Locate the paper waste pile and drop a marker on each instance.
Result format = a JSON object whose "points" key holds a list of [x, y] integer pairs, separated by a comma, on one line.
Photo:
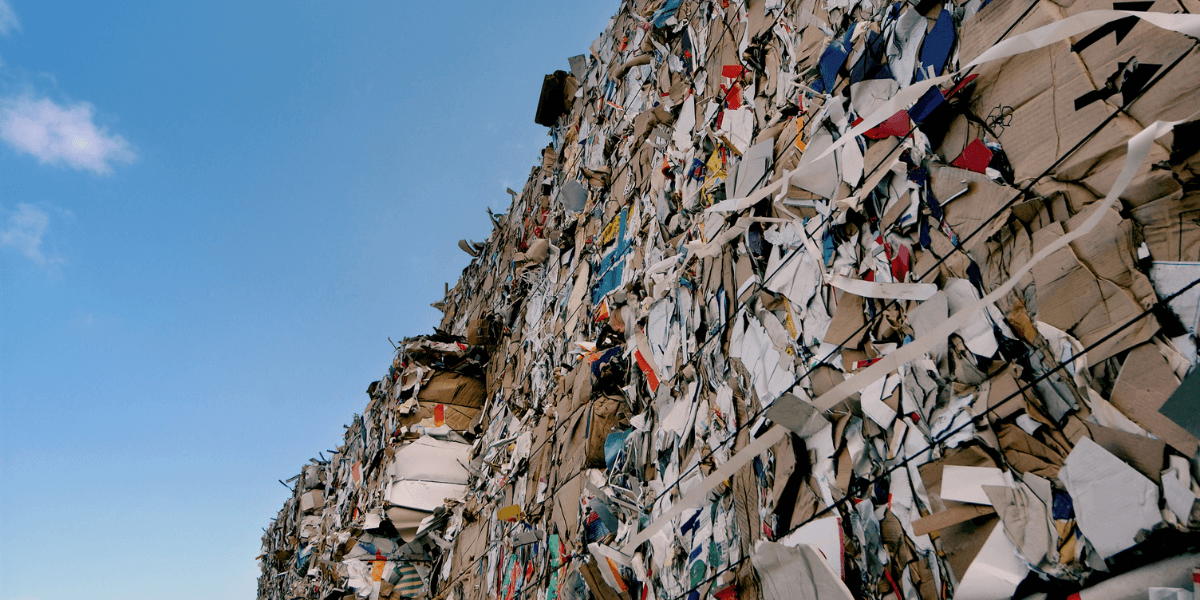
{"points": [[807, 299]]}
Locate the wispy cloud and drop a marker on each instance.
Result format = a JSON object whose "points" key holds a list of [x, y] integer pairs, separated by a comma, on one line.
{"points": [[61, 134], [25, 231], [8, 19]]}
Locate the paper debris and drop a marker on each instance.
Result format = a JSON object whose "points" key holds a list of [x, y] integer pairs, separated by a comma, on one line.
{"points": [[803, 298]]}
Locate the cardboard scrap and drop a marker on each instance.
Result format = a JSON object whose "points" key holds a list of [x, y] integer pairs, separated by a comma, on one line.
{"points": [[1113, 502], [796, 572]]}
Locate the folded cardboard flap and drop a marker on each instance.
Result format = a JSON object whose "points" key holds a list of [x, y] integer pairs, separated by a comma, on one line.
{"points": [[1071, 298], [1168, 227], [460, 396], [604, 414], [311, 500], [591, 572], [469, 546], [565, 515], [1028, 454], [961, 540], [453, 389], [456, 417], [958, 513], [479, 332], [1143, 386], [968, 211], [1147, 455], [573, 456], [848, 327]]}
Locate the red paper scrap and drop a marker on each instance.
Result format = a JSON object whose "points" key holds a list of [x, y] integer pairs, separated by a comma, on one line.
{"points": [[732, 71], [900, 264], [975, 157], [734, 98], [897, 125], [651, 376], [962, 84]]}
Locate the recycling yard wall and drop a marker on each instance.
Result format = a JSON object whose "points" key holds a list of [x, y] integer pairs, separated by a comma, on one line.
{"points": [[807, 298]]}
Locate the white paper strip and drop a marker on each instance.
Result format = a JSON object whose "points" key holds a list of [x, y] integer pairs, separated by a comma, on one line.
{"points": [[875, 289]]}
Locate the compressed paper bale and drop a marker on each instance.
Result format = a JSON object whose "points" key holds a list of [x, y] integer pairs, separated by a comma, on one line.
{"points": [[543, 428]]}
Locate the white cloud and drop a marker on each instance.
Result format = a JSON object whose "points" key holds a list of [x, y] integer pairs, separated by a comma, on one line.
{"points": [[61, 135], [24, 232], [8, 19]]}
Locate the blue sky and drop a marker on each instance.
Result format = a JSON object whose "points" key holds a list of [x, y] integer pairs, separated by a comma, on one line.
{"points": [[212, 217]]}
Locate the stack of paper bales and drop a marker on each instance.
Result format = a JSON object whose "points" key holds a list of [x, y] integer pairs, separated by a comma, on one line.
{"points": [[806, 299]]}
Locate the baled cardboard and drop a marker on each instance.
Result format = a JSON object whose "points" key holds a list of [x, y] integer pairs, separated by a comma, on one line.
{"points": [[462, 397]]}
